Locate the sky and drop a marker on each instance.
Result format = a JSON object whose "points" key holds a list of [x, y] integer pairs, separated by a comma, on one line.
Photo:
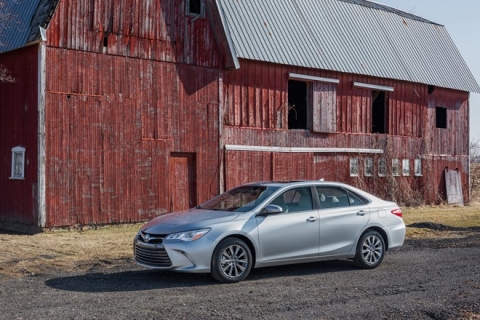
{"points": [[461, 18]]}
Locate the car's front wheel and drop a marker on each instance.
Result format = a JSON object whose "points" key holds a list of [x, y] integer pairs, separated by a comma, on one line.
{"points": [[370, 250], [231, 260]]}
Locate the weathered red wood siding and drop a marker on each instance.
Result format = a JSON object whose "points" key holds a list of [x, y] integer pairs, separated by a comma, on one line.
{"points": [[116, 118], [256, 114], [256, 96], [109, 151], [147, 29], [454, 139], [18, 127]]}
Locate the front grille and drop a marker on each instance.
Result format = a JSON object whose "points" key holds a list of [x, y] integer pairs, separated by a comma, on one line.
{"points": [[151, 238], [150, 254]]}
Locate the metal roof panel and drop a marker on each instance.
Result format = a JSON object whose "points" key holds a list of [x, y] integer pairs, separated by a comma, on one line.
{"points": [[26, 18], [352, 36]]}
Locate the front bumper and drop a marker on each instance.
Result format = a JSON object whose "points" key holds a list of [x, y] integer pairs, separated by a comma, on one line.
{"points": [[175, 255]]}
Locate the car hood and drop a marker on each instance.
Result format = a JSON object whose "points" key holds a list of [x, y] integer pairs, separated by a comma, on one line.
{"points": [[186, 220]]}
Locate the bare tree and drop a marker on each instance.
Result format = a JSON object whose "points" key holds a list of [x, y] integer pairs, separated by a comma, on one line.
{"points": [[475, 167], [7, 20], [5, 76]]}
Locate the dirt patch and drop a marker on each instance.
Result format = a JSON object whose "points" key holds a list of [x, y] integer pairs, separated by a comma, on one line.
{"points": [[441, 227]]}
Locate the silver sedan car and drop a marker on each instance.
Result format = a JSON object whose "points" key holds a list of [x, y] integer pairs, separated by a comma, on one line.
{"points": [[272, 223]]}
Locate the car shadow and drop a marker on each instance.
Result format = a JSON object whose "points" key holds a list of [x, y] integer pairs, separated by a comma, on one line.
{"points": [[142, 280]]}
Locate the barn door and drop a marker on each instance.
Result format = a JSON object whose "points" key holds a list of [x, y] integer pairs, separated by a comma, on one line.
{"points": [[454, 187], [183, 181]]}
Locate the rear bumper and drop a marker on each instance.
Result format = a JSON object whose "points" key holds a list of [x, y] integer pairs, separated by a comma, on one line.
{"points": [[397, 236]]}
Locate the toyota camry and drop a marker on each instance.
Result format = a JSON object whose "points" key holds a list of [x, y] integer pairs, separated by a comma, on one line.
{"points": [[272, 223]]}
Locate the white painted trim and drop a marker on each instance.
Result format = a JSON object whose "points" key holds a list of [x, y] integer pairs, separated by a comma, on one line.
{"points": [[221, 138], [299, 150], [298, 76], [15, 151], [417, 168], [354, 167], [372, 86], [41, 179]]}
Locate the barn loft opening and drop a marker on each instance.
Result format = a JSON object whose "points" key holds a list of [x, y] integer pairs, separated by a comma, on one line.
{"points": [[297, 105], [194, 7], [379, 112], [441, 117]]}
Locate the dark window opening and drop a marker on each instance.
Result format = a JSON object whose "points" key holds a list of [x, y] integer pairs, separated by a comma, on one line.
{"points": [[105, 44], [297, 105], [379, 112], [195, 7], [431, 89], [441, 117]]}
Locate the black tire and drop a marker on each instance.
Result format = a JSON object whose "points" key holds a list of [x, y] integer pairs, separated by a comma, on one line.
{"points": [[370, 250], [231, 261]]}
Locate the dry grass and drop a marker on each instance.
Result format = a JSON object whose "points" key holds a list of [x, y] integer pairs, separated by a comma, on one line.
{"points": [[67, 251], [459, 217], [456, 217]]}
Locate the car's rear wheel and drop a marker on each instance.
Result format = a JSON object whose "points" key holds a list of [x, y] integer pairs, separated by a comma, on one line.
{"points": [[231, 260], [370, 250]]}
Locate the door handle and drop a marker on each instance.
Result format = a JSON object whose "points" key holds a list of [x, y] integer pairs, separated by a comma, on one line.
{"points": [[312, 219], [361, 213]]}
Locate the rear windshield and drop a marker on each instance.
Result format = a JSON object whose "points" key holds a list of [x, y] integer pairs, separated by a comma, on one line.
{"points": [[240, 199]]}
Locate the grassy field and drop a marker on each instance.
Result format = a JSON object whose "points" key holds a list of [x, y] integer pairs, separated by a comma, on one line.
{"points": [[66, 251], [455, 217]]}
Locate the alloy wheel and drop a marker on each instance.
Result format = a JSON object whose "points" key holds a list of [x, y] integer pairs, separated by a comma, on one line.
{"points": [[372, 249], [234, 261]]}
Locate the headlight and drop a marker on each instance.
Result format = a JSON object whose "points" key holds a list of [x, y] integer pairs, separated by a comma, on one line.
{"points": [[188, 235]]}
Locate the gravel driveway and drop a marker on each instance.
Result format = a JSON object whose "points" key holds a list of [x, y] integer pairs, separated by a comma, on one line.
{"points": [[426, 279]]}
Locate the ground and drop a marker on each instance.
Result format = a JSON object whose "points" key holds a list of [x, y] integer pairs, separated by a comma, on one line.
{"points": [[90, 274], [65, 250]]}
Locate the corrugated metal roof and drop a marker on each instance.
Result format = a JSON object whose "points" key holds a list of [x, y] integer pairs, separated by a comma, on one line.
{"points": [[25, 19], [352, 36]]}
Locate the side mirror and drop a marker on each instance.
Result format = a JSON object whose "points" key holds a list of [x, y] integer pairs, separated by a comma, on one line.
{"points": [[271, 209]]}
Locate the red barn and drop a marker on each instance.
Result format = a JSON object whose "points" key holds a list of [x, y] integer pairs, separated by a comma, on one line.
{"points": [[123, 110]]}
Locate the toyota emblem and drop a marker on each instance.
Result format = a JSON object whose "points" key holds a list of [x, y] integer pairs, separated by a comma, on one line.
{"points": [[146, 237]]}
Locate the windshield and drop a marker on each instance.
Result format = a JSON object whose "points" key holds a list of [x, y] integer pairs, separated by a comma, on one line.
{"points": [[241, 199]]}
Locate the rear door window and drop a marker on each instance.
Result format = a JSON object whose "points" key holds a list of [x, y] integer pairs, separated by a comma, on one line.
{"points": [[334, 197]]}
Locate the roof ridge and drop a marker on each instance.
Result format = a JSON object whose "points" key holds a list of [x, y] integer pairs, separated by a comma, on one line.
{"points": [[380, 6]]}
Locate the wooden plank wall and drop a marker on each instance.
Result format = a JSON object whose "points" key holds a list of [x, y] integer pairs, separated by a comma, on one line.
{"points": [[18, 127], [111, 134], [129, 83], [265, 85], [455, 138], [255, 114], [249, 166], [146, 29]]}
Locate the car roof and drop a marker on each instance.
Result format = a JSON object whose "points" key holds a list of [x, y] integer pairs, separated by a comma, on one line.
{"points": [[296, 183], [282, 184]]}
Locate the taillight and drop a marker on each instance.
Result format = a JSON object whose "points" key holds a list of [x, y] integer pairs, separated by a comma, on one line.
{"points": [[397, 212]]}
